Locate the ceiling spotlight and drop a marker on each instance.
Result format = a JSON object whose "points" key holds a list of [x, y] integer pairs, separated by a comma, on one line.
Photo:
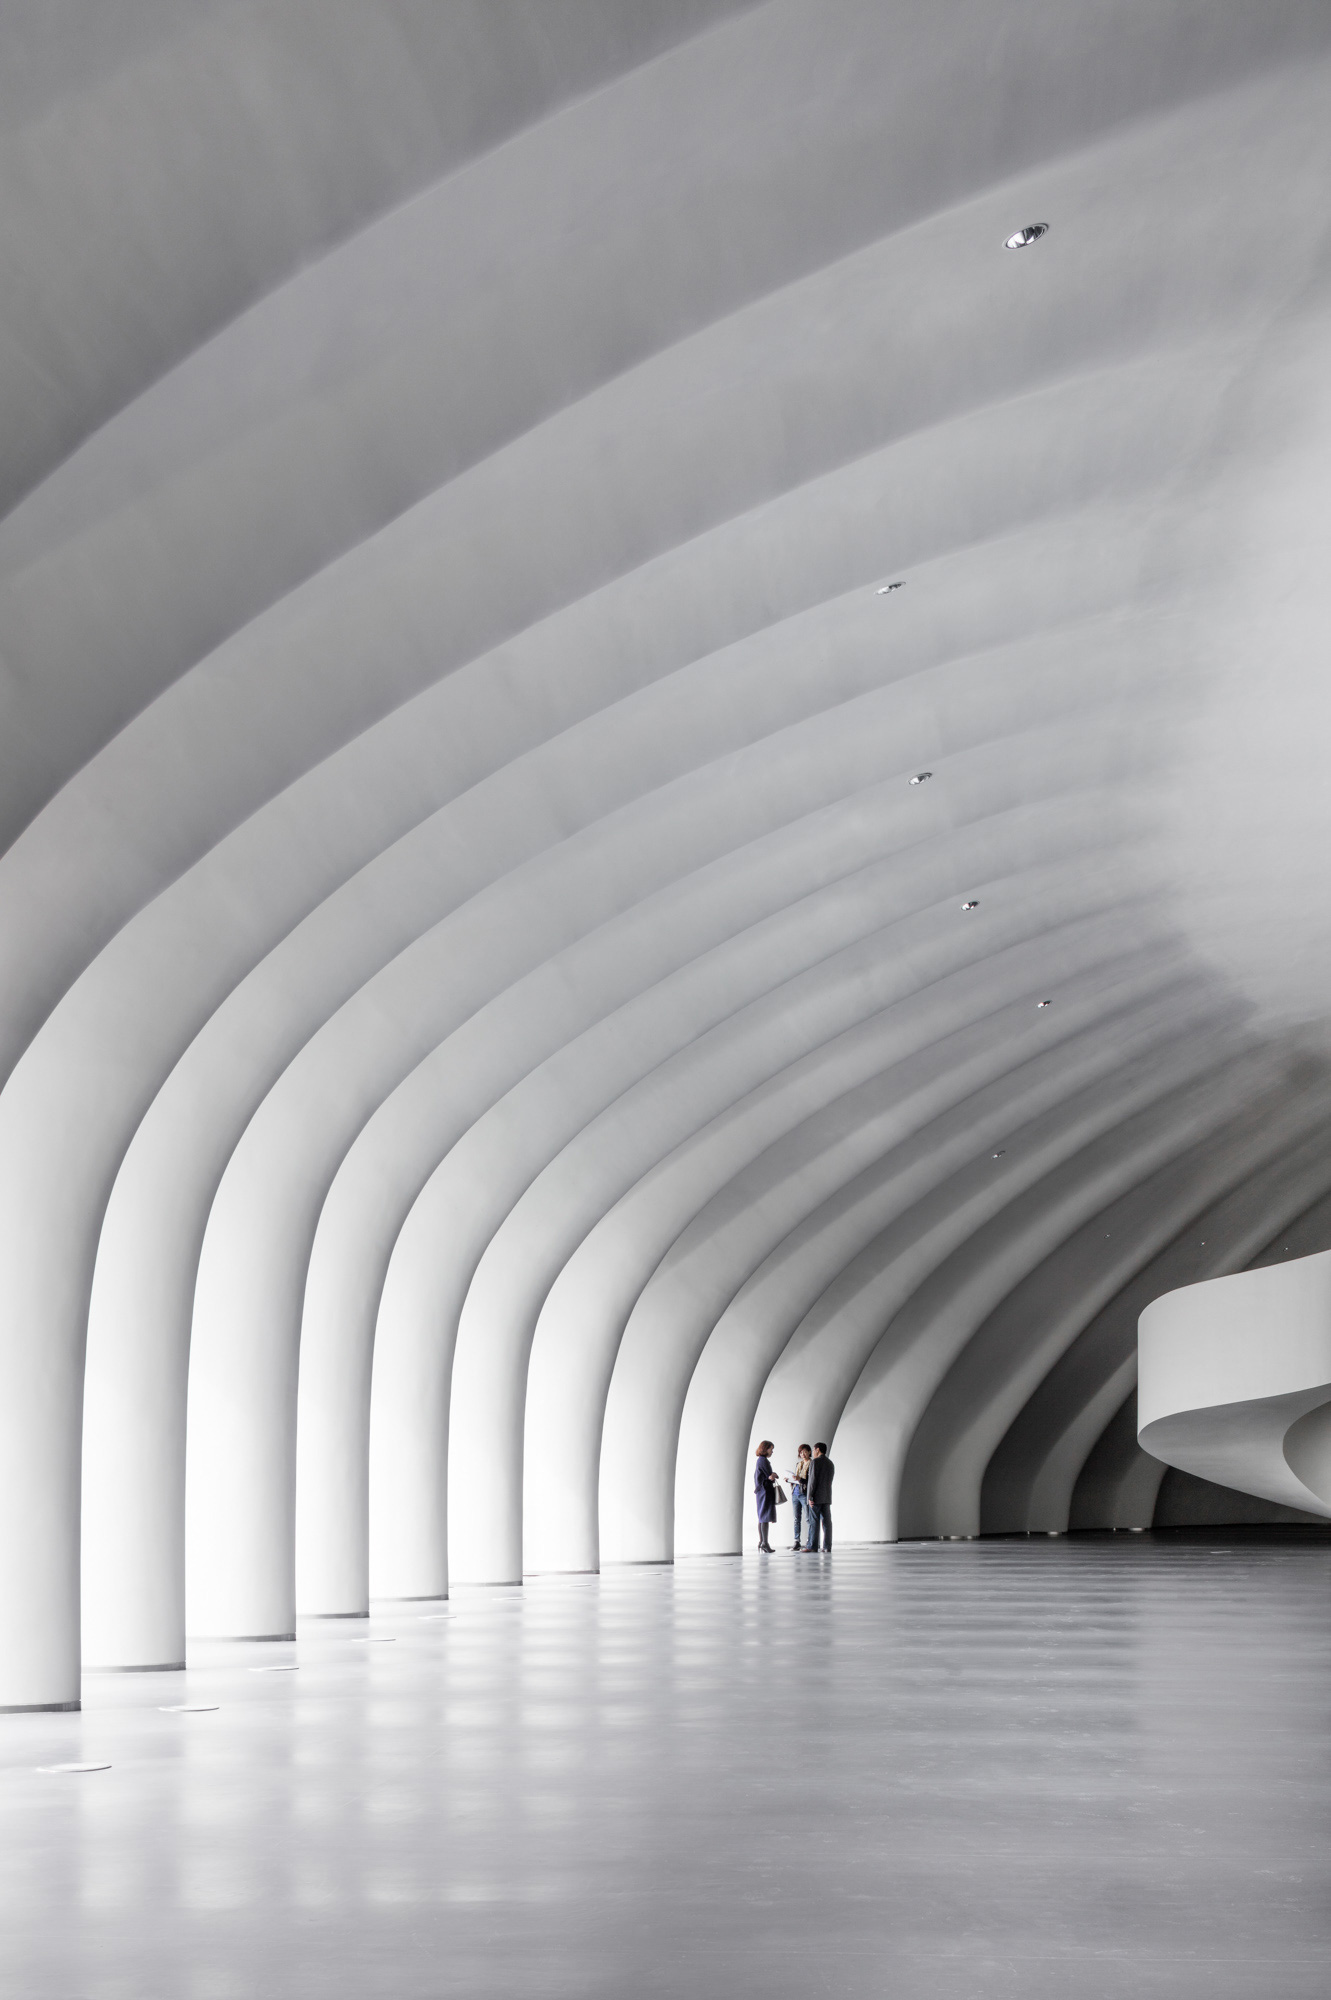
{"points": [[1024, 237], [999, 1154], [921, 777], [883, 588], [974, 905], [1043, 1003]]}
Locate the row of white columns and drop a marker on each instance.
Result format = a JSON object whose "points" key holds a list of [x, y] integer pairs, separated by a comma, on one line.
{"points": [[473, 981]]}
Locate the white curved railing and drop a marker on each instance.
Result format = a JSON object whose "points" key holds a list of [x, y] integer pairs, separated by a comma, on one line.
{"points": [[1235, 1381]]}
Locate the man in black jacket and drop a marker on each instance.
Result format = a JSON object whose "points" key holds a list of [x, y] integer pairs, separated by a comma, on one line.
{"points": [[818, 1501]]}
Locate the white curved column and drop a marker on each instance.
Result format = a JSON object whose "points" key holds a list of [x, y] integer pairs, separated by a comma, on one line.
{"points": [[692, 1345], [619, 862], [407, 1496], [851, 1272], [767, 1348], [439, 1104], [894, 1068], [1119, 1484], [905, 1371], [1234, 1381], [930, 1290], [508, 1325], [1037, 1322], [1030, 1479], [803, 1038], [487, 1176]]}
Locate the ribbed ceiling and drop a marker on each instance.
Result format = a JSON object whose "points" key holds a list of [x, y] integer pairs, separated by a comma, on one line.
{"points": [[489, 1018]]}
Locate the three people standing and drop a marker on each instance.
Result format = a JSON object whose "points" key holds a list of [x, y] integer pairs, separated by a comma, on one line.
{"points": [[810, 1489]]}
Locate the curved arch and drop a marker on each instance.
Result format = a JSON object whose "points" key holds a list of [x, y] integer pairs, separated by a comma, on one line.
{"points": [[1030, 1478], [1100, 1141], [1038, 1321]]}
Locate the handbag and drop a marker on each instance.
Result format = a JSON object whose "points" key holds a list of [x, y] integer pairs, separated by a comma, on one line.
{"points": [[781, 1494]]}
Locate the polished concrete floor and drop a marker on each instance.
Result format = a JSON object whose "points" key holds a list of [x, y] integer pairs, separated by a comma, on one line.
{"points": [[1065, 1769]]}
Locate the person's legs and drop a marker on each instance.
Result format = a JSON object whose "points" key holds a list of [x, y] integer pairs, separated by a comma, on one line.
{"points": [[763, 1542], [816, 1512], [826, 1511], [797, 1509]]}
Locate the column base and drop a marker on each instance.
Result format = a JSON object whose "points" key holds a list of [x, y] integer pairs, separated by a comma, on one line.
{"points": [[240, 1638], [154, 1667], [38, 1707]]}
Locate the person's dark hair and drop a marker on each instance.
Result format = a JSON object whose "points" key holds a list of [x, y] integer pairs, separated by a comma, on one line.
{"points": [[764, 1449], [820, 1447], [804, 1447]]}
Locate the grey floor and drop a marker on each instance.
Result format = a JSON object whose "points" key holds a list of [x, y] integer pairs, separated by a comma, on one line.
{"points": [[1077, 1768]]}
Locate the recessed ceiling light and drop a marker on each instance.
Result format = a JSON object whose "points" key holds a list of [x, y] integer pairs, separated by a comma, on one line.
{"points": [[972, 905], [1043, 1003], [1025, 237], [921, 777], [999, 1154], [883, 588]]}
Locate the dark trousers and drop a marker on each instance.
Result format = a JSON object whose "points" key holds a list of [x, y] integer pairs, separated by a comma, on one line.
{"points": [[820, 1516]]}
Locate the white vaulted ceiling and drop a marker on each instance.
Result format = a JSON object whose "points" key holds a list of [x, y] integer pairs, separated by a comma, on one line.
{"points": [[488, 1017]]}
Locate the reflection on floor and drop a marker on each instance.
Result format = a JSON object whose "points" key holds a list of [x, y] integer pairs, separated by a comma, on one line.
{"points": [[1079, 1768]]}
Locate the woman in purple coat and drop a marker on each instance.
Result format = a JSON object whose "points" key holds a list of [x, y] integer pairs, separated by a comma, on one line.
{"points": [[764, 1492]]}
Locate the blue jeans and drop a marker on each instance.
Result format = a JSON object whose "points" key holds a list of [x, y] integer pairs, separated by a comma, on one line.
{"points": [[797, 1509], [820, 1516]]}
